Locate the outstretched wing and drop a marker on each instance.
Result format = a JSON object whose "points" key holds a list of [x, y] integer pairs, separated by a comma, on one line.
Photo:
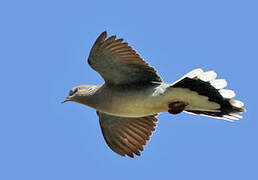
{"points": [[126, 136], [118, 63]]}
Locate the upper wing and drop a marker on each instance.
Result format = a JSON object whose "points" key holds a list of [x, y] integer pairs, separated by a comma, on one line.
{"points": [[126, 136], [118, 63]]}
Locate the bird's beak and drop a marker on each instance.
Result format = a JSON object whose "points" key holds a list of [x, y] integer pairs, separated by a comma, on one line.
{"points": [[66, 99]]}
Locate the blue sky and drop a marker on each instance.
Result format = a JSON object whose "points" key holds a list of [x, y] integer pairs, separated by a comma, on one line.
{"points": [[44, 46]]}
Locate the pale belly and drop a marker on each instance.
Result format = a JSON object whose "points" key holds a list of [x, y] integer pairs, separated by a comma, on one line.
{"points": [[148, 100], [136, 103], [138, 107]]}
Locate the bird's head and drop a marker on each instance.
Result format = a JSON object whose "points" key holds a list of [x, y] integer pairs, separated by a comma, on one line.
{"points": [[78, 93]]}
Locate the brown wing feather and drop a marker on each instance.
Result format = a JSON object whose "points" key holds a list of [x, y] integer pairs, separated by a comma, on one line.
{"points": [[126, 136], [118, 63]]}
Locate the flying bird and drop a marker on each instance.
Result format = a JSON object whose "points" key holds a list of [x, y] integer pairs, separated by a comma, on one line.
{"points": [[134, 94]]}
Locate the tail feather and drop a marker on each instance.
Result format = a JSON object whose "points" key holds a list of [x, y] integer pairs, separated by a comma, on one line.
{"points": [[206, 84]]}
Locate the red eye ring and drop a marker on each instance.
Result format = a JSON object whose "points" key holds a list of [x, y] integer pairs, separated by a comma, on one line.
{"points": [[75, 90]]}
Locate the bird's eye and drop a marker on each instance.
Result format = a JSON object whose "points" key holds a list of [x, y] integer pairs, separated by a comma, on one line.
{"points": [[72, 92]]}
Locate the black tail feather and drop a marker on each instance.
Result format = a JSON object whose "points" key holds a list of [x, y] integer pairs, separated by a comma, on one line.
{"points": [[204, 83]]}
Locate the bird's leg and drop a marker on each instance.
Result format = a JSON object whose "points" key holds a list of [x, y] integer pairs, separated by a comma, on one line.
{"points": [[176, 107]]}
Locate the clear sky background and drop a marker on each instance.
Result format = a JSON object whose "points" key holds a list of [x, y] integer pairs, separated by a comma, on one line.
{"points": [[43, 50]]}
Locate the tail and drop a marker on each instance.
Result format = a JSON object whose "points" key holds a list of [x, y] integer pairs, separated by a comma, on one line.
{"points": [[214, 101]]}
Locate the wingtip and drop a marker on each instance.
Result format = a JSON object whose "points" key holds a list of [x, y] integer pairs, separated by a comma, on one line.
{"points": [[104, 34], [101, 37], [98, 42]]}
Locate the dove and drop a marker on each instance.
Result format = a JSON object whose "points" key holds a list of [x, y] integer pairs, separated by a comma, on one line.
{"points": [[133, 94]]}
